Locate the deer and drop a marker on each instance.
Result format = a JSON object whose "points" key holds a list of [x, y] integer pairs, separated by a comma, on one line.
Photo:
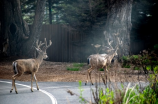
{"points": [[104, 48], [30, 66], [98, 61]]}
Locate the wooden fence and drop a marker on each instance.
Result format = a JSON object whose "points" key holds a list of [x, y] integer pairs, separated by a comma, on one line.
{"points": [[72, 46], [63, 48]]}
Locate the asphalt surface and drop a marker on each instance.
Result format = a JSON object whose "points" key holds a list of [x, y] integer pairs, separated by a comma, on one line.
{"points": [[49, 93]]}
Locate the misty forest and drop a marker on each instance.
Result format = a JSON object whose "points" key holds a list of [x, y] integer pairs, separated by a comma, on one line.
{"points": [[100, 41]]}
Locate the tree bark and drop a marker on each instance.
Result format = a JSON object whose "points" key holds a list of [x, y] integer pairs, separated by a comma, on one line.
{"points": [[14, 28], [50, 12], [35, 28], [119, 22]]}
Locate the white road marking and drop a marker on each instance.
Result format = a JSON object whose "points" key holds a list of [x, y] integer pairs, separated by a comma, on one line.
{"points": [[54, 101], [57, 87]]}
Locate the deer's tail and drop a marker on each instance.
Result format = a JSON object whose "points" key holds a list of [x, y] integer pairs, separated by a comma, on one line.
{"points": [[15, 67], [88, 60]]}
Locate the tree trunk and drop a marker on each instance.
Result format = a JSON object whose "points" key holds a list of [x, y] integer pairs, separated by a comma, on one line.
{"points": [[35, 28], [50, 12], [119, 23], [15, 29]]}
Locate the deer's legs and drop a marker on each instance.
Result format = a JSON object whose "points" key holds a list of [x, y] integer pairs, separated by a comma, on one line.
{"points": [[105, 71], [36, 82], [33, 75], [13, 82], [89, 74], [12, 85], [31, 82], [15, 87]]}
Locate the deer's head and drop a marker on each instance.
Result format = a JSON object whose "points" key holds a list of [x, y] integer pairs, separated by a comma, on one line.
{"points": [[42, 51]]}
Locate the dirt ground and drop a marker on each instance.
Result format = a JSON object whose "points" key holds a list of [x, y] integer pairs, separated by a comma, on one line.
{"points": [[57, 72]]}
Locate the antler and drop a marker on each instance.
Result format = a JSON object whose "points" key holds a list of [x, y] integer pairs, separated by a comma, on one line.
{"points": [[119, 41], [39, 45], [50, 43], [109, 43]]}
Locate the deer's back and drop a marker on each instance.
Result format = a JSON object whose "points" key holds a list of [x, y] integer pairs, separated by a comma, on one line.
{"points": [[98, 61], [27, 65]]}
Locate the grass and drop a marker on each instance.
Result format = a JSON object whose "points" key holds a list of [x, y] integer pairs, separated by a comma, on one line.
{"points": [[136, 68], [101, 69], [75, 67], [148, 67], [128, 94], [127, 66]]}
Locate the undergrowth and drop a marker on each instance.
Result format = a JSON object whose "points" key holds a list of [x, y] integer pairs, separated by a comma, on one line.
{"points": [[137, 94], [75, 67]]}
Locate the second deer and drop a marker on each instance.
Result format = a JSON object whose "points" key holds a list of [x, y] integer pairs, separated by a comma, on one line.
{"points": [[98, 61]]}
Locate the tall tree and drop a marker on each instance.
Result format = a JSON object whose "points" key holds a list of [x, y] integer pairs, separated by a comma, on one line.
{"points": [[14, 28], [119, 23], [50, 12]]}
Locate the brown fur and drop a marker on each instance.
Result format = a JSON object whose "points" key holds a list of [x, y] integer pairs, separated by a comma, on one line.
{"points": [[99, 61], [29, 66]]}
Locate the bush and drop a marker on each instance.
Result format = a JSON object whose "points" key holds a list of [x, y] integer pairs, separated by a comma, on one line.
{"points": [[156, 47], [126, 61], [82, 100], [76, 67], [101, 69], [132, 95], [150, 96], [73, 69], [127, 66], [136, 68], [106, 97]]}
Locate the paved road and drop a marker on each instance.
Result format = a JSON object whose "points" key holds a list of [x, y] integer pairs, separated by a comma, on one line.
{"points": [[49, 93]]}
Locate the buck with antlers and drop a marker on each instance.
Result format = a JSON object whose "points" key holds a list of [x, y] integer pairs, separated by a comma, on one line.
{"points": [[30, 66], [98, 61]]}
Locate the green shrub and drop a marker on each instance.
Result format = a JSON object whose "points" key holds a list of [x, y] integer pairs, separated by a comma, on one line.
{"points": [[106, 97], [73, 69], [101, 69], [82, 100], [126, 61], [127, 66], [150, 96], [145, 61], [76, 67], [156, 47], [135, 56], [125, 58], [133, 95], [156, 69], [148, 67], [136, 68]]}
